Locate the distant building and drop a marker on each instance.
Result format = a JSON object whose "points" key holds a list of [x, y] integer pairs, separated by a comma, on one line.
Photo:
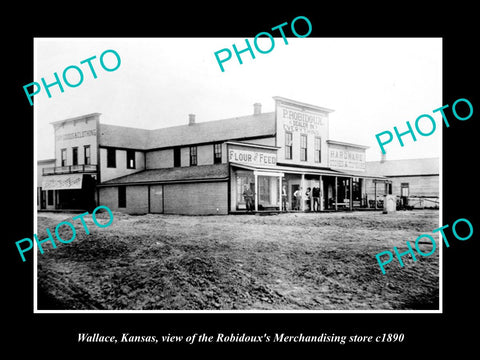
{"points": [[417, 179], [205, 167]]}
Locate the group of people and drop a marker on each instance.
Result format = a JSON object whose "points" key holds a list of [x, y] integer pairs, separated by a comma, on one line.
{"points": [[312, 199]]}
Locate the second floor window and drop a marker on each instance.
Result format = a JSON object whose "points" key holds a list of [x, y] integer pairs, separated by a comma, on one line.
{"points": [[217, 153], [303, 147], [86, 155], [130, 159], [318, 149], [193, 155], [111, 158], [176, 157], [75, 156], [63, 157], [288, 145]]}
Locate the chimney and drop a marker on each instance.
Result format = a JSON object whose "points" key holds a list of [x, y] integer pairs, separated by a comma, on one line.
{"points": [[383, 158], [191, 119], [257, 108]]}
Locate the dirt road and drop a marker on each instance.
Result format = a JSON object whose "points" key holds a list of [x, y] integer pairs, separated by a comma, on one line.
{"points": [[282, 262]]}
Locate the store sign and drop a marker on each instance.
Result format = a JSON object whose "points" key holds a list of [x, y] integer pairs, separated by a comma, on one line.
{"points": [[62, 182], [252, 157], [76, 135], [346, 159], [301, 121]]}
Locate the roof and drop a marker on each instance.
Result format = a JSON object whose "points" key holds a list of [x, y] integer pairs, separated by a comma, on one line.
{"points": [[405, 167], [123, 136], [76, 118], [46, 161], [252, 145], [250, 126], [341, 143], [177, 174]]}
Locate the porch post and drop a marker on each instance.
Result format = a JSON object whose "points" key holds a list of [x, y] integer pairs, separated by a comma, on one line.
{"points": [[363, 190], [336, 195], [375, 192], [302, 197], [256, 191], [351, 193], [320, 198], [280, 198]]}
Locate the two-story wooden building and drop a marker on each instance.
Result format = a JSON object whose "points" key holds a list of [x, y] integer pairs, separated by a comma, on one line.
{"points": [[205, 167]]}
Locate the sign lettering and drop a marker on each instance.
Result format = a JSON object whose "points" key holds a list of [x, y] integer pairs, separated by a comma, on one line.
{"points": [[252, 157], [76, 135], [301, 121], [347, 159]]}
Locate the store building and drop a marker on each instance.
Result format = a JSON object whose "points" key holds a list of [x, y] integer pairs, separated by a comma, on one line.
{"points": [[205, 167], [69, 180]]}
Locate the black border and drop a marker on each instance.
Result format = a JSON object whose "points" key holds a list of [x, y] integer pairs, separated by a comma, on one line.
{"points": [[427, 333]]}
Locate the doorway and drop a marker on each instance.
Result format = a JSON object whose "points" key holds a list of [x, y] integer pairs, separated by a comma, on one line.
{"points": [[296, 203]]}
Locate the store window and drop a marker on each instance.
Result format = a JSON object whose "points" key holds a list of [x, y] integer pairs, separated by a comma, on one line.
{"points": [[264, 189], [357, 189], [243, 179], [288, 145], [303, 147], [50, 197], [43, 203]]}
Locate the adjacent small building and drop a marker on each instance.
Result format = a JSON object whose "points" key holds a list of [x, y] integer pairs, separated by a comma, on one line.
{"points": [[417, 180], [202, 168]]}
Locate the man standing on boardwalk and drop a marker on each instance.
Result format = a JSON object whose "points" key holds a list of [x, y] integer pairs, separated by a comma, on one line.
{"points": [[316, 199], [284, 198], [248, 197]]}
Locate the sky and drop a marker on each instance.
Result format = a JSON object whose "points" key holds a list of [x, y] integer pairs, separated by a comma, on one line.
{"points": [[372, 84]]}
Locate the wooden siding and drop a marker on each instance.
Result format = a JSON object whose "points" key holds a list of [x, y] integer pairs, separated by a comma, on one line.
{"points": [[196, 199]]}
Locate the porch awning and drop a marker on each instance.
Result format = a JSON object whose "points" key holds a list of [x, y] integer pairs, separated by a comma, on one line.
{"points": [[285, 169], [307, 171], [260, 170], [62, 182]]}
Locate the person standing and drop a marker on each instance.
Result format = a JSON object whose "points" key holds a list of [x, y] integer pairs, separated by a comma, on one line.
{"points": [[298, 198], [308, 201], [316, 198], [284, 198], [248, 197]]}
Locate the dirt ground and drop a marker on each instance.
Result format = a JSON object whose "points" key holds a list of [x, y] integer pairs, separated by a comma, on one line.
{"points": [[282, 262]]}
